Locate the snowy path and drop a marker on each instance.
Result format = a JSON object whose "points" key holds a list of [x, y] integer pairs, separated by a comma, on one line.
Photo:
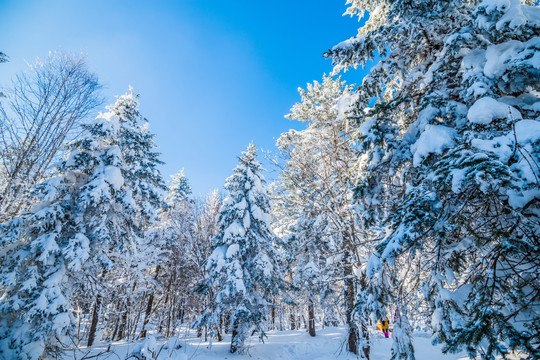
{"points": [[328, 344], [280, 345]]}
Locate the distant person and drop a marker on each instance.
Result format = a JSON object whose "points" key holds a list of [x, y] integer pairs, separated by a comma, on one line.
{"points": [[384, 326]]}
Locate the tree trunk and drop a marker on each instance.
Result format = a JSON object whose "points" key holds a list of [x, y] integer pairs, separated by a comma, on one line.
{"points": [[220, 328], [353, 334], [273, 312], [311, 317], [364, 323], [171, 314], [219, 336], [227, 322], [115, 331], [122, 325], [365, 335], [147, 315], [182, 312], [79, 322], [169, 299], [233, 338], [150, 304], [95, 318], [292, 319]]}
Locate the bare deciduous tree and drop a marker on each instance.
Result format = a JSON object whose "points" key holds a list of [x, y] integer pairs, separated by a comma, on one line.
{"points": [[42, 108]]}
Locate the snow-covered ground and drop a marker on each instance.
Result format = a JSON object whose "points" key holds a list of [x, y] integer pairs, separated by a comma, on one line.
{"points": [[280, 345]]}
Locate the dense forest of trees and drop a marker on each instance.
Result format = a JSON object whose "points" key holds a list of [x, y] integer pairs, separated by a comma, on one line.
{"points": [[414, 195]]}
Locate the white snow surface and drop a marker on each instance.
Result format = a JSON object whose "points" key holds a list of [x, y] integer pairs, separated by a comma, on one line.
{"points": [[344, 104], [526, 132], [234, 229], [500, 57], [458, 175], [282, 345], [232, 250], [434, 139], [487, 109], [113, 175], [514, 14]]}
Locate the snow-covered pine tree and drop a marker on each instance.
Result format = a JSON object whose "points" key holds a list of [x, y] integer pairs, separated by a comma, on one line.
{"points": [[172, 239], [163, 246], [179, 189], [319, 178], [312, 243], [145, 186], [87, 218], [244, 267], [449, 163], [141, 158]]}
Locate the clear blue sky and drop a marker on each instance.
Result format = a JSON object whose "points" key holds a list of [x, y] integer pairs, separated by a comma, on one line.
{"points": [[213, 75]]}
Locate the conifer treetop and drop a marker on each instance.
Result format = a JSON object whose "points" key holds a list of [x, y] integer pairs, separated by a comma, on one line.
{"points": [[179, 189]]}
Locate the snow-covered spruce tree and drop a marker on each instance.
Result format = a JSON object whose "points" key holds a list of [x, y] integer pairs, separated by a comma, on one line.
{"points": [[166, 245], [449, 163], [244, 268], [180, 188], [175, 271], [307, 246], [319, 176], [144, 184], [87, 218], [141, 158], [313, 277]]}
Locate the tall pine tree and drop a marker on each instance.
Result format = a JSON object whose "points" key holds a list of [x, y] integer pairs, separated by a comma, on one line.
{"points": [[319, 178], [88, 218], [244, 267], [449, 167]]}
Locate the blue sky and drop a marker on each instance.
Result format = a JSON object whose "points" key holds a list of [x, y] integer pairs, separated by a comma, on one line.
{"points": [[213, 75]]}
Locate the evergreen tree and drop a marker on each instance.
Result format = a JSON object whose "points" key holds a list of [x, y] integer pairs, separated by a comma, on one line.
{"points": [[244, 268], [171, 241], [144, 185], [88, 218], [449, 166], [318, 176], [179, 189]]}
